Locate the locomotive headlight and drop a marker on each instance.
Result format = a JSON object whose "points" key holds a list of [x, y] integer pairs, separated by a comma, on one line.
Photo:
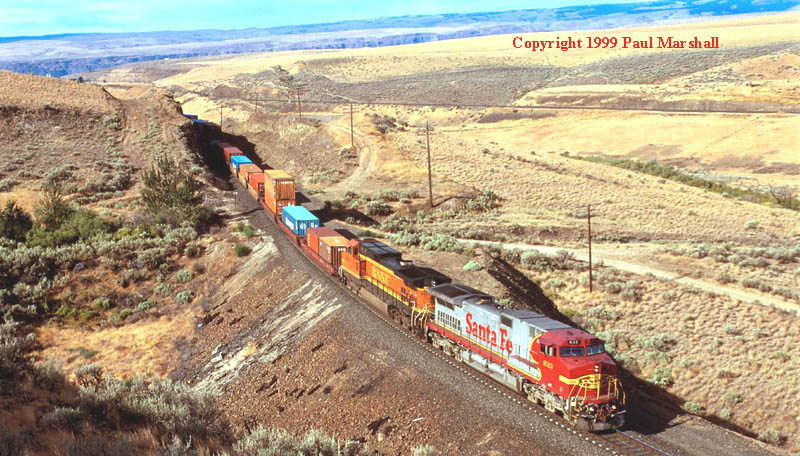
{"points": [[614, 407], [596, 368]]}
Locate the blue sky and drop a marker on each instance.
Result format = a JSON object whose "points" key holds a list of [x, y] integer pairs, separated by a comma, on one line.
{"points": [[47, 17]]}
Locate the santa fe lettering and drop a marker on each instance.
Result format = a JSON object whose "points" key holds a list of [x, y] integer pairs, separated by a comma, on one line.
{"points": [[487, 334]]}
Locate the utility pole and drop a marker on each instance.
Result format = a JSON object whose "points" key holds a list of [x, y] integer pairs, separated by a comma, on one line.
{"points": [[256, 102], [220, 117], [352, 140], [589, 220], [430, 179], [299, 111]]}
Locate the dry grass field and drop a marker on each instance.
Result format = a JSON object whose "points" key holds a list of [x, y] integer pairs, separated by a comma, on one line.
{"points": [[736, 361]]}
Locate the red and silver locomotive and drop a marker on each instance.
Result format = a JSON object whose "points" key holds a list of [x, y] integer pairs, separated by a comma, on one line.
{"points": [[563, 368]]}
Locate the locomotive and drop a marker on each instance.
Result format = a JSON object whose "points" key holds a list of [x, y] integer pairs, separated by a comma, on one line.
{"points": [[551, 363]]}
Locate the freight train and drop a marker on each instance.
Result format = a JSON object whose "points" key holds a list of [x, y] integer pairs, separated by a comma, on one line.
{"points": [[551, 363]]}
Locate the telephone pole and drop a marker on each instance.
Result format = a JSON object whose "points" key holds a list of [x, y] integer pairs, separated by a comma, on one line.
{"points": [[430, 179], [589, 220], [220, 117]]}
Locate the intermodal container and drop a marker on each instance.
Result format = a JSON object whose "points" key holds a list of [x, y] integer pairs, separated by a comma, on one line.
{"points": [[245, 170], [190, 116], [256, 183], [281, 184], [313, 235], [276, 206], [237, 161], [331, 248], [298, 219], [230, 151]]}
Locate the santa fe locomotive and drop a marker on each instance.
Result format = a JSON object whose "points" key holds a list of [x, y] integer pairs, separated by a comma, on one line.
{"points": [[563, 368]]}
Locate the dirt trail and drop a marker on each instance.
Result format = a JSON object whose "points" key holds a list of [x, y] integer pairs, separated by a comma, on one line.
{"points": [[367, 160], [634, 263]]}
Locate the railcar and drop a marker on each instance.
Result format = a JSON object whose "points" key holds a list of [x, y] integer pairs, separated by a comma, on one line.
{"points": [[564, 368], [397, 285]]}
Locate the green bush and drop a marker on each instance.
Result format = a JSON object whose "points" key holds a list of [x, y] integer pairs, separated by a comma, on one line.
{"points": [[770, 436], [183, 297], [661, 377], [77, 225], [278, 442], [472, 266], [163, 290], [242, 250], [67, 417], [14, 222], [14, 362], [171, 194], [184, 276], [102, 303], [695, 408], [733, 398], [248, 231]]}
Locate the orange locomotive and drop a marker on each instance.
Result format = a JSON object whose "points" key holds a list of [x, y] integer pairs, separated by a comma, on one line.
{"points": [[397, 285]]}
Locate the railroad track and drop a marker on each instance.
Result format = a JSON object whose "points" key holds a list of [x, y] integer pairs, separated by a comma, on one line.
{"points": [[622, 442], [616, 443]]}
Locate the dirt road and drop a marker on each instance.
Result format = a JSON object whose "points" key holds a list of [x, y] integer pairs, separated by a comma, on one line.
{"points": [[635, 263]]}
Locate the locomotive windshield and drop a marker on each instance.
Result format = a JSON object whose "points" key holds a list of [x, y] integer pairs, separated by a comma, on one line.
{"points": [[595, 349], [570, 351]]}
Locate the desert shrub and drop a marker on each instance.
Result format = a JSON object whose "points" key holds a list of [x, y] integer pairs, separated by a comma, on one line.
{"points": [[7, 184], [13, 350], [112, 122], [627, 361], [733, 397], [102, 303], [91, 446], [426, 450], [248, 231], [695, 408], [770, 436], [725, 413], [632, 290], [659, 342], [661, 377], [378, 207], [751, 224], [395, 223], [183, 297], [600, 312], [163, 290], [62, 416], [167, 408], [731, 329], [14, 222], [184, 275], [657, 357], [194, 249], [485, 201], [687, 363], [472, 265], [242, 250], [554, 283], [277, 442], [48, 375], [537, 261]]}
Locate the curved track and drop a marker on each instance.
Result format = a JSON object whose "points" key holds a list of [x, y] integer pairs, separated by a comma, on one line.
{"points": [[614, 443]]}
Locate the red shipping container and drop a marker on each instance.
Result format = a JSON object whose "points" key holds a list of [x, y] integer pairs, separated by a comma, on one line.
{"points": [[230, 151], [245, 170], [314, 234], [256, 183], [331, 248]]}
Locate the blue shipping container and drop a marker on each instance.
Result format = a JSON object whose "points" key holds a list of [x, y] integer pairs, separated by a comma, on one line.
{"points": [[299, 219], [237, 160]]}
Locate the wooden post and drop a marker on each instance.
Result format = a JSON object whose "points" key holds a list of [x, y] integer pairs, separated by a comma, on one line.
{"points": [[589, 220], [352, 140], [220, 117], [299, 111], [430, 179]]}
